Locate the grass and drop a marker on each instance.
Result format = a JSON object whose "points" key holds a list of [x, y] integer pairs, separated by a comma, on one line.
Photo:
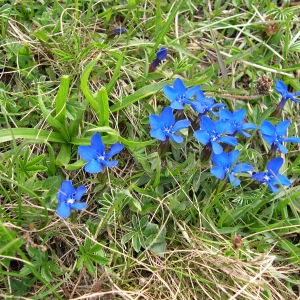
{"points": [[158, 225]]}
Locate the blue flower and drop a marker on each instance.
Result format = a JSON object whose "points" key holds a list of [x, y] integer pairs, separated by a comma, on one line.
{"points": [[164, 127], [121, 30], [226, 165], [179, 94], [281, 88], [274, 135], [272, 177], [237, 121], [202, 104], [68, 198], [161, 54], [95, 155], [212, 133]]}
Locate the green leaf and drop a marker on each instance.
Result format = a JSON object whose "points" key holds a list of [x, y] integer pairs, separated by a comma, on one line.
{"points": [[103, 114], [61, 99]]}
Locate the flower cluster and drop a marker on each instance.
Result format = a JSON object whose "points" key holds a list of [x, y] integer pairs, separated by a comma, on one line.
{"points": [[96, 160], [222, 129]]}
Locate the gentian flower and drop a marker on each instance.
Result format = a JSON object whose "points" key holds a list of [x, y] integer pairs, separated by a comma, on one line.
{"points": [[164, 126], [68, 198], [236, 120], [212, 133], [161, 55], [179, 94], [95, 155], [282, 89], [226, 165], [121, 30], [274, 135], [202, 104], [272, 177]]}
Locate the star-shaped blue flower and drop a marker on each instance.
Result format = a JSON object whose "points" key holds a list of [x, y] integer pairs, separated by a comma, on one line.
{"points": [[164, 126], [203, 105], [275, 135], [179, 94], [95, 155], [226, 164], [272, 177], [237, 120], [282, 89], [212, 133], [68, 198]]}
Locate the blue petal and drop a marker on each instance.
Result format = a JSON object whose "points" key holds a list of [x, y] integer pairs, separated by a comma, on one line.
{"points": [[280, 87], [270, 139], [282, 127], [177, 105], [161, 54], [192, 91], [67, 187], [155, 122], [87, 153], [167, 116], [273, 188], [274, 165], [239, 115], [207, 124], [79, 192], [230, 140], [281, 148], [218, 172], [79, 205], [110, 163], [170, 92], [93, 166], [242, 167], [217, 149], [224, 126], [260, 176], [248, 126], [176, 138], [158, 134], [97, 144], [115, 149], [225, 114], [292, 139], [233, 180], [221, 160], [181, 124], [233, 157], [202, 136], [283, 180], [268, 128], [63, 210], [179, 86]]}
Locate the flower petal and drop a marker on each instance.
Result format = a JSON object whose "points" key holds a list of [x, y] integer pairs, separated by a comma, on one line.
{"points": [[260, 176], [230, 140], [115, 149], [79, 192], [217, 149], [158, 134], [221, 160], [192, 91], [181, 124], [93, 166], [292, 139], [233, 180], [280, 87], [63, 210], [79, 205], [110, 163], [176, 138], [179, 86], [268, 128], [170, 92], [155, 121], [207, 124], [67, 187], [202, 136], [97, 144], [274, 165], [282, 127], [218, 172], [242, 167], [87, 153], [282, 180], [167, 116]]}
